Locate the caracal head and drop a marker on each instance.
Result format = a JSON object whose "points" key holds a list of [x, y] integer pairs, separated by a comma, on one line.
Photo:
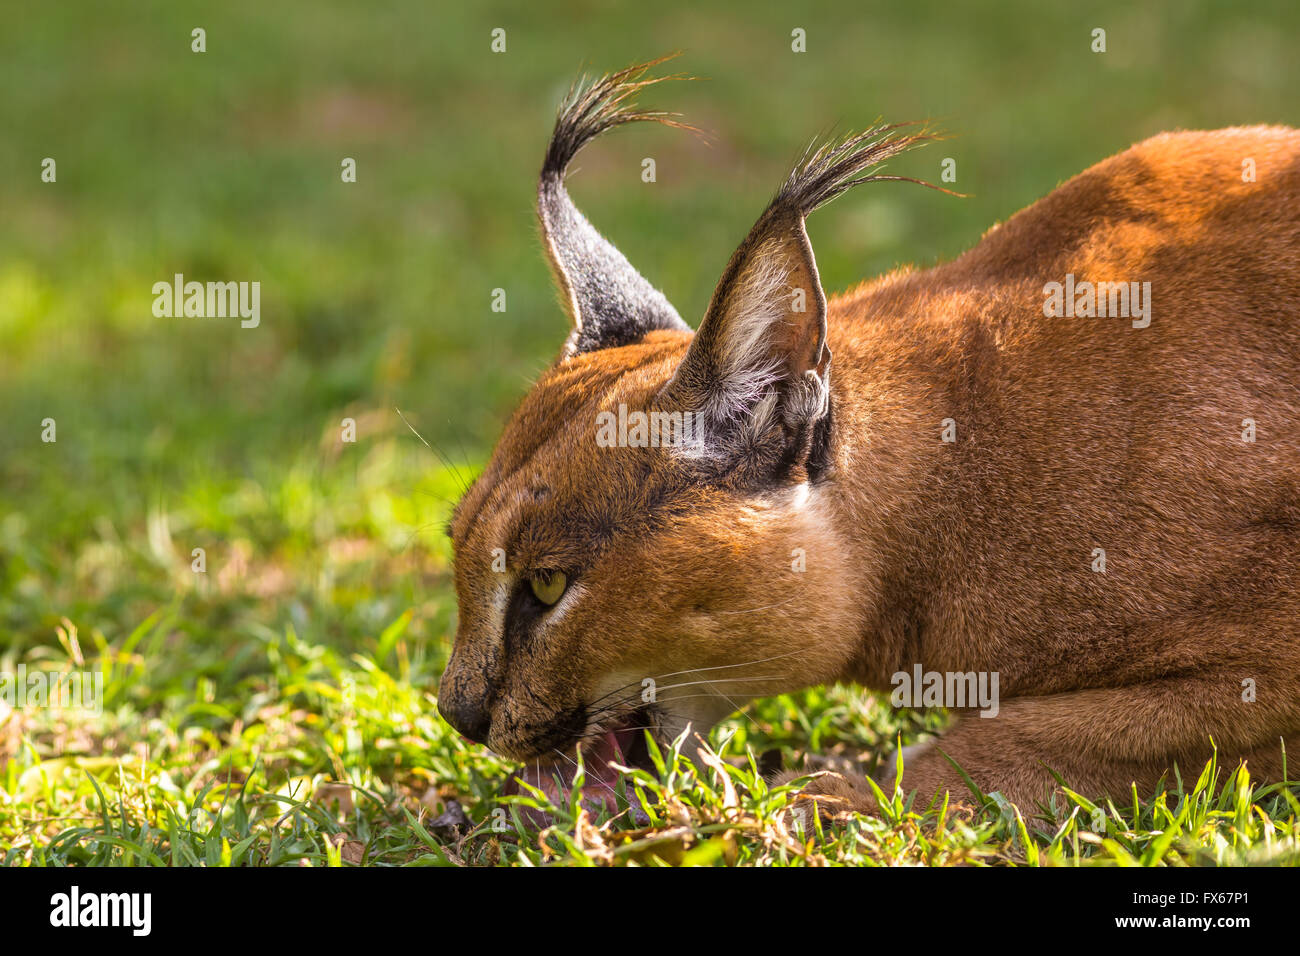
{"points": [[636, 553]]}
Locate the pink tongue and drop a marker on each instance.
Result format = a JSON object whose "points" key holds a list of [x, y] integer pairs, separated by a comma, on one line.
{"points": [[608, 747], [555, 779]]}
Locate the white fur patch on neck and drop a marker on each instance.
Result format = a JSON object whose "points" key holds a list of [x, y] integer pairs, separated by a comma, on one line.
{"points": [[814, 511], [800, 496]]}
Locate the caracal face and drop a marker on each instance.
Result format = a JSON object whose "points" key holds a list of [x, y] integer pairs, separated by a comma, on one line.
{"points": [[683, 594]]}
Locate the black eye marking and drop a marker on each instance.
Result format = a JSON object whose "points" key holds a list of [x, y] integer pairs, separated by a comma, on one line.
{"points": [[523, 612], [522, 615]]}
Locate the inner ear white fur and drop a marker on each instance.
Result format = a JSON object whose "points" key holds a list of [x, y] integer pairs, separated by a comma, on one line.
{"points": [[761, 351], [747, 366]]}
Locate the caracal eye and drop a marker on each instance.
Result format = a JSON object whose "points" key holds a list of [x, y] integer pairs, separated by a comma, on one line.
{"points": [[548, 586]]}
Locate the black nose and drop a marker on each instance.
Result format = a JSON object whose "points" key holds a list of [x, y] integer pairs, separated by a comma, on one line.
{"points": [[470, 718]]}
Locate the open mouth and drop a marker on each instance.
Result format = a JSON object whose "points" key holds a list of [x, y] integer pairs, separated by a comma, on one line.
{"points": [[604, 749]]}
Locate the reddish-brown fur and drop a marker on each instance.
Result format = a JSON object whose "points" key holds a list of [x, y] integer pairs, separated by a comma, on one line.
{"points": [[977, 555]]}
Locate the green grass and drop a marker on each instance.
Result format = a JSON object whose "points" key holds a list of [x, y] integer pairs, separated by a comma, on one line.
{"points": [[241, 703], [290, 752]]}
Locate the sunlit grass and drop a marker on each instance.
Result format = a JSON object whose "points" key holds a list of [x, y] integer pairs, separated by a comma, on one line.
{"points": [[268, 748]]}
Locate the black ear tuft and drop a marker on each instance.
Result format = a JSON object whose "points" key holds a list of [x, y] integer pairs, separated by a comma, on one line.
{"points": [[758, 370], [608, 301]]}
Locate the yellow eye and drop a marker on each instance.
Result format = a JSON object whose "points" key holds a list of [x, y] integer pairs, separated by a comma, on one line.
{"points": [[548, 586]]}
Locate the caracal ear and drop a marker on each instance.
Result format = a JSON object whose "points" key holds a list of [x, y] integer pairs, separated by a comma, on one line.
{"points": [[759, 361], [608, 301]]}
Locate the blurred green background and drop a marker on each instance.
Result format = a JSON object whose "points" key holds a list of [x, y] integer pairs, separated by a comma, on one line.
{"points": [[179, 433]]}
